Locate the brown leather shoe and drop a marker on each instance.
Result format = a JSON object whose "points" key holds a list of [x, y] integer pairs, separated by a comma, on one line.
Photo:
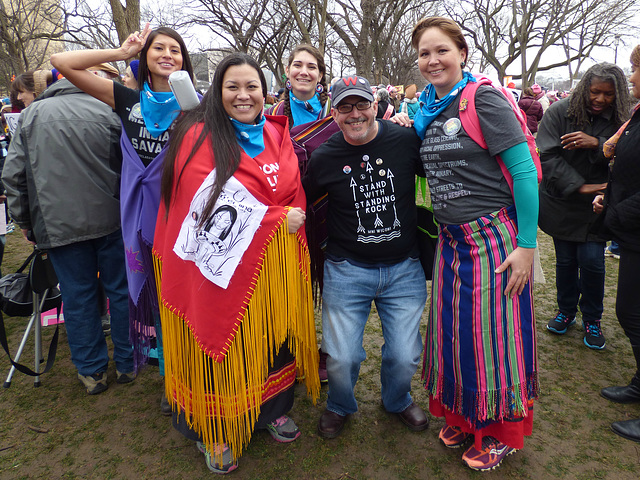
{"points": [[414, 418], [330, 424]]}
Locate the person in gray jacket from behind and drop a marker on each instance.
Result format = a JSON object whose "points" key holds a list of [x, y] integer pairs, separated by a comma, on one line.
{"points": [[62, 176]]}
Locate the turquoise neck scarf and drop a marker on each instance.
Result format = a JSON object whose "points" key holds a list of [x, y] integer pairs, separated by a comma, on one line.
{"points": [[304, 111], [430, 107], [159, 110], [250, 137]]}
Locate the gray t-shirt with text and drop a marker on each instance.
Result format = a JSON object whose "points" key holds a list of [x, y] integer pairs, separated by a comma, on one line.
{"points": [[465, 180]]}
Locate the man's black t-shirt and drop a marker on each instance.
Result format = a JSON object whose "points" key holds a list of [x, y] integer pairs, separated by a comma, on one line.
{"points": [[371, 192]]}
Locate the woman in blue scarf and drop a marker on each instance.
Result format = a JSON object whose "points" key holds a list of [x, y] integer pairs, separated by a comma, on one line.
{"points": [[306, 98], [307, 105], [480, 358], [147, 114]]}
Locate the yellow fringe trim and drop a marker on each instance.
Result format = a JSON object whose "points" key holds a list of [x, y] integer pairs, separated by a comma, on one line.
{"points": [[226, 396]]}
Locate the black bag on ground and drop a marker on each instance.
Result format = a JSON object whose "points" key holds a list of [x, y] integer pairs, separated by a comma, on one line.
{"points": [[16, 297]]}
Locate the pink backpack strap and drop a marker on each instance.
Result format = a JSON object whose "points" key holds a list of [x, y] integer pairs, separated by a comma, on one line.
{"points": [[468, 113], [471, 123]]}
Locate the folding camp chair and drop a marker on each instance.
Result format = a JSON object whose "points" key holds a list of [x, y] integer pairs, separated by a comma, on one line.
{"points": [[43, 280]]}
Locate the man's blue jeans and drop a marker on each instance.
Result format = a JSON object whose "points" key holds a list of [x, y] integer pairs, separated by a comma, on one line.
{"points": [[399, 292], [77, 266], [580, 277]]}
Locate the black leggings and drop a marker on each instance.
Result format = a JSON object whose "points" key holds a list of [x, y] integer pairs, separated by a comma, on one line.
{"points": [[628, 296]]}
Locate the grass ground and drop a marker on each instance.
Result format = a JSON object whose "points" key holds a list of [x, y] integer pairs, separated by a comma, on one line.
{"points": [[57, 431]]}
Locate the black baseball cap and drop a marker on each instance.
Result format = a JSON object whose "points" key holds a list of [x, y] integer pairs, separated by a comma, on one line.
{"points": [[351, 85]]}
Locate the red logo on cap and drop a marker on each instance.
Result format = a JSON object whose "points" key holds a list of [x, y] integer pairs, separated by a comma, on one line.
{"points": [[350, 80]]}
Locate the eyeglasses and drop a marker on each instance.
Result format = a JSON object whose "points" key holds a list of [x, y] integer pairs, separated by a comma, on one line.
{"points": [[348, 107]]}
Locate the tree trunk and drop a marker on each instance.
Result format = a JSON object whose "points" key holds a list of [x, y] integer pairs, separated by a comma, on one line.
{"points": [[126, 17]]}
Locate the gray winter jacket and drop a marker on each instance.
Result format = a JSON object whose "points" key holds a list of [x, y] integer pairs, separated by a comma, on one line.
{"points": [[62, 172]]}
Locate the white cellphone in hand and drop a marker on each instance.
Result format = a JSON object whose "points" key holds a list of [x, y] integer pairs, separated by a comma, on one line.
{"points": [[182, 87]]}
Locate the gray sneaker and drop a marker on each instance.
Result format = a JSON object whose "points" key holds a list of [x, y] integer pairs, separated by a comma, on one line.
{"points": [[96, 383], [165, 406], [223, 454], [125, 377], [106, 324], [283, 430]]}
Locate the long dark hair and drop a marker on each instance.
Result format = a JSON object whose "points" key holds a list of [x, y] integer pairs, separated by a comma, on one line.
{"points": [[217, 129], [143, 68], [579, 101], [322, 68]]}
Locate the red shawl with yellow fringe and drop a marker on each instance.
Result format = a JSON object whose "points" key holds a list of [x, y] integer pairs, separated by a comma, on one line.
{"points": [[219, 342]]}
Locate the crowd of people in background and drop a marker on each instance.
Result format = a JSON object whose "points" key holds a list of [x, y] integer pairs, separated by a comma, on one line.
{"points": [[215, 230]]}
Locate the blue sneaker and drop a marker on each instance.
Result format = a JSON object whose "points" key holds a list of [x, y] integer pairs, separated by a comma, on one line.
{"points": [[560, 323], [593, 337]]}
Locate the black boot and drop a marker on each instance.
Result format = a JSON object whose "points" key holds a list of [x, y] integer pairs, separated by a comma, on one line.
{"points": [[629, 429], [630, 393]]}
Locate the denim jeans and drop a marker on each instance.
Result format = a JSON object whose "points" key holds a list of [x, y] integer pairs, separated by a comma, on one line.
{"points": [[580, 277], [399, 292], [77, 266]]}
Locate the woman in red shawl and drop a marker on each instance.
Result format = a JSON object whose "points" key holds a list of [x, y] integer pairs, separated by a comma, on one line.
{"points": [[232, 268]]}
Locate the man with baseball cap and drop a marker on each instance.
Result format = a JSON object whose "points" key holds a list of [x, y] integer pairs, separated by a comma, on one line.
{"points": [[62, 176], [368, 171]]}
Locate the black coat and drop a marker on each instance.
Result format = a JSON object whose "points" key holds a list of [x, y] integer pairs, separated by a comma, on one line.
{"points": [[622, 215], [382, 108], [564, 213]]}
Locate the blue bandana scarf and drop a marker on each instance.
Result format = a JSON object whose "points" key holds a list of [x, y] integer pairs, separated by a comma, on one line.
{"points": [[250, 137], [159, 110], [304, 111], [430, 108]]}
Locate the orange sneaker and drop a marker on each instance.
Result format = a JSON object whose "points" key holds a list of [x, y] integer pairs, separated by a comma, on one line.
{"points": [[453, 437], [490, 457]]}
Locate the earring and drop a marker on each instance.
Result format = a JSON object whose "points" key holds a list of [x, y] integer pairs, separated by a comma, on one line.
{"points": [[288, 84], [463, 64], [319, 88]]}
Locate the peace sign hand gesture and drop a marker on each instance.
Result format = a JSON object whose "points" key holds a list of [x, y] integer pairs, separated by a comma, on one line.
{"points": [[135, 42]]}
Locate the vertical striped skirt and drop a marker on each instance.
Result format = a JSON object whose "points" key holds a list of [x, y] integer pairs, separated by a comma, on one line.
{"points": [[480, 363]]}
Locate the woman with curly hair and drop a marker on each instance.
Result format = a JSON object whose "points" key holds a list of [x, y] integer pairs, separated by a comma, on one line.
{"points": [[574, 169]]}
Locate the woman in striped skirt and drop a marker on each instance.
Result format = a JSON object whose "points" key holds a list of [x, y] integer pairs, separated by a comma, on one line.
{"points": [[480, 350]]}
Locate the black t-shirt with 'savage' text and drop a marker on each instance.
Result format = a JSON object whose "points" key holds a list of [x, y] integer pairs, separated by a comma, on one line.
{"points": [[127, 107]]}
